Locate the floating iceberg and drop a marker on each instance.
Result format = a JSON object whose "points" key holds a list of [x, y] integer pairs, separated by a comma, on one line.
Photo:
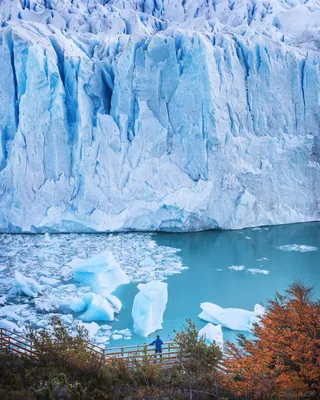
{"points": [[212, 333], [92, 328], [97, 309], [232, 318], [49, 281], [148, 307], [101, 272], [255, 271], [25, 285], [297, 247]]}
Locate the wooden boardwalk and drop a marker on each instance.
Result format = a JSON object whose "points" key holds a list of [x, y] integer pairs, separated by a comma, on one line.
{"points": [[13, 343]]}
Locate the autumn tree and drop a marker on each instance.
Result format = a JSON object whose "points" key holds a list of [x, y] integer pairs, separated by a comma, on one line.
{"points": [[283, 360]]}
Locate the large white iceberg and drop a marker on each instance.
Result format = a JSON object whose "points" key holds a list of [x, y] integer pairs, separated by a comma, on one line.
{"points": [[158, 115], [25, 285], [148, 307], [212, 333], [232, 318], [101, 272]]}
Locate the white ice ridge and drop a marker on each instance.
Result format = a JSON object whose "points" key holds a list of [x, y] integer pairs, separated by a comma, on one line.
{"points": [[170, 115], [212, 333], [101, 272], [148, 307], [232, 318]]}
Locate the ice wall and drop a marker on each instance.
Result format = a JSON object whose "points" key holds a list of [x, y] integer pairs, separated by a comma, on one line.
{"points": [[142, 115]]}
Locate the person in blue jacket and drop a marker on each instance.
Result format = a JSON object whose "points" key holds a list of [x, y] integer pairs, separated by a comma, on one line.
{"points": [[158, 346]]}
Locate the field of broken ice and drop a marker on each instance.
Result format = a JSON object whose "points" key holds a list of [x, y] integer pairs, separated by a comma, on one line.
{"points": [[126, 287]]}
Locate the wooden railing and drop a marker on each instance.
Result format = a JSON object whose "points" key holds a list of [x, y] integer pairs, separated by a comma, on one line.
{"points": [[22, 346]]}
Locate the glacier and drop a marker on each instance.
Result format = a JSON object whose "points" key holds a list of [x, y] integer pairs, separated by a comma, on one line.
{"points": [[101, 272], [146, 115]]}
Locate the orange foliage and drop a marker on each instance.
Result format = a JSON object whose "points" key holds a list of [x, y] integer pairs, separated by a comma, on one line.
{"points": [[283, 361]]}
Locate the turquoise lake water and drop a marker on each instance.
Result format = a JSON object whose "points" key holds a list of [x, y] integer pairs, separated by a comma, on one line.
{"points": [[209, 256], [269, 259]]}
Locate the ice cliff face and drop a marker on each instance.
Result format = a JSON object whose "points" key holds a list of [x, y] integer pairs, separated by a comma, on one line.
{"points": [[158, 114]]}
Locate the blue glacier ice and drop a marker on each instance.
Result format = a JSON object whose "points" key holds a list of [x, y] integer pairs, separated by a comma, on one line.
{"points": [[97, 309], [101, 272], [148, 307], [158, 115]]}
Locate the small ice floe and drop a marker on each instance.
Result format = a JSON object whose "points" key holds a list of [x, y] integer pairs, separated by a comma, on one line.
{"points": [[17, 312], [92, 328], [48, 304], [116, 336], [237, 267], [25, 286], [148, 307], [3, 300], [262, 259], [49, 281], [255, 271], [66, 273], [232, 318], [219, 269], [297, 247], [248, 237], [102, 339], [101, 272], [212, 333], [11, 326], [3, 267], [147, 262]]}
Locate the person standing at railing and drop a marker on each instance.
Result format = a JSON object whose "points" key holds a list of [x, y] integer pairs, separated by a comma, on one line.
{"points": [[158, 347]]}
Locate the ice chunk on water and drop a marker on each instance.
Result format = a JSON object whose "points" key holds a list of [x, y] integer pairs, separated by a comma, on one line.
{"points": [[232, 318], [101, 272], [116, 336], [258, 312], [98, 309], [49, 281], [25, 285], [66, 273], [9, 325], [212, 333], [115, 302], [3, 300], [92, 328], [297, 247], [148, 307]]}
